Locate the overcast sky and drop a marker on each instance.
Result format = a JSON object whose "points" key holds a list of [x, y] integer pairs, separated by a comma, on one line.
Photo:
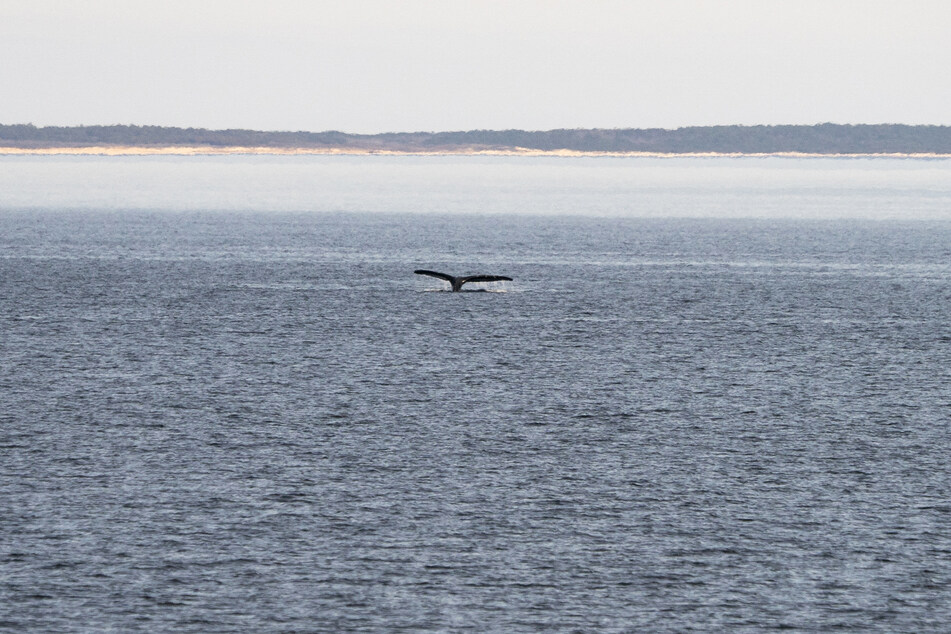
{"points": [[384, 65]]}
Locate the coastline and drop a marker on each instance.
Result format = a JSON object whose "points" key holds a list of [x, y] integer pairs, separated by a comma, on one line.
{"points": [[209, 150]]}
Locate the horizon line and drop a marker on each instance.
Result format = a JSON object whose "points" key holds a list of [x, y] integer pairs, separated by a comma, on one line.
{"points": [[457, 130]]}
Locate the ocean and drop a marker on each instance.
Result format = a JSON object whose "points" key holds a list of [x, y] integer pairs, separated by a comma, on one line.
{"points": [[716, 395]]}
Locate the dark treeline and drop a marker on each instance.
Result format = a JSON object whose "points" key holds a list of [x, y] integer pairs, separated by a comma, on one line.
{"points": [[826, 138]]}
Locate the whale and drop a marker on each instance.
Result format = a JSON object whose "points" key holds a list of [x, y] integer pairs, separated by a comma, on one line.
{"points": [[457, 282]]}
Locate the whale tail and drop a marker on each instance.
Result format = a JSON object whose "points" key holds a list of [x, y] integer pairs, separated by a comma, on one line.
{"points": [[457, 282]]}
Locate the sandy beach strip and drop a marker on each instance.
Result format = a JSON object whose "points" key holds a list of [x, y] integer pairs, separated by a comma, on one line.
{"points": [[210, 150]]}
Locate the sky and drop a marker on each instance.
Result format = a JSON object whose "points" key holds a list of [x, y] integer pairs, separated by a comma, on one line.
{"points": [[367, 66]]}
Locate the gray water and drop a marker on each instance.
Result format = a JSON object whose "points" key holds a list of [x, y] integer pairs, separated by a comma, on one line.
{"points": [[258, 419]]}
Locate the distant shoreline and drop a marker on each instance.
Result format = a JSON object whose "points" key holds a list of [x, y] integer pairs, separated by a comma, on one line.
{"points": [[209, 150], [821, 140]]}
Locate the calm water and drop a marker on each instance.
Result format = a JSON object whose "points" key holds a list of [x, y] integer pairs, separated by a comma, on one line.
{"points": [[227, 404]]}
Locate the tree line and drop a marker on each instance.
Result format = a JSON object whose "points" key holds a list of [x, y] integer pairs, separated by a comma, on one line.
{"points": [[826, 138]]}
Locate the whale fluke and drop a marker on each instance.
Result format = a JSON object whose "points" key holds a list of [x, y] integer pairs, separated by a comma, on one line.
{"points": [[457, 282]]}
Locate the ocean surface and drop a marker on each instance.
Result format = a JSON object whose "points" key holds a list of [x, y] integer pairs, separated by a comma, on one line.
{"points": [[716, 396]]}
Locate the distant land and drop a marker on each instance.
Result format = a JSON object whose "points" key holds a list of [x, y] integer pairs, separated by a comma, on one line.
{"points": [[821, 139]]}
